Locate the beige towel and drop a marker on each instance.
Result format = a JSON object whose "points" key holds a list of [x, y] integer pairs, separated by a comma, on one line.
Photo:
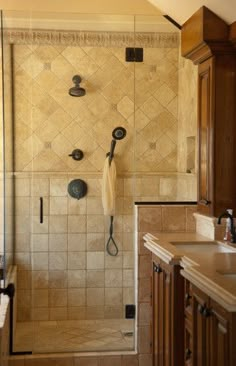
{"points": [[108, 187]]}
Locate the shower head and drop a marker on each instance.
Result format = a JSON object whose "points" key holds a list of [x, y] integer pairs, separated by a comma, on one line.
{"points": [[77, 91], [119, 133]]}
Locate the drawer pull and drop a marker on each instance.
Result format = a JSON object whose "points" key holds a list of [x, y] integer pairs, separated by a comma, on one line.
{"points": [[157, 268], [204, 202], [188, 354]]}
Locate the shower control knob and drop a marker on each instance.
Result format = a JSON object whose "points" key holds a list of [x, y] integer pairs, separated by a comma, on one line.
{"points": [[77, 154]]}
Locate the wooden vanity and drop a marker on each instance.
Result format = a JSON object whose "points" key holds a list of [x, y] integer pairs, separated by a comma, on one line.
{"points": [[193, 300]]}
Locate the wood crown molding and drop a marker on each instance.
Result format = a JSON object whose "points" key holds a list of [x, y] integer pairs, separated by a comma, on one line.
{"points": [[205, 34]]}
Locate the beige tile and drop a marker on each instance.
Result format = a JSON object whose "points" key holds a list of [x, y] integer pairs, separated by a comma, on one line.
{"points": [[94, 205], [40, 313], [39, 279], [76, 260], [76, 297], [58, 279], [113, 262], [128, 278], [77, 207], [40, 187], [113, 312], [76, 223], [22, 242], [113, 296], [95, 312], [173, 218], [22, 206], [95, 242], [94, 187], [40, 298], [58, 187], [95, 296], [37, 227], [76, 313], [22, 187], [149, 219], [23, 261], [24, 279], [190, 220], [95, 224], [39, 242], [57, 261], [58, 224], [39, 261], [128, 295], [95, 278], [57, 298], [76, 278], [58, 313], [128, 259], [57, 242], [22, 224], [76, 242], [95, 260], [113, 278], [58, 205]]}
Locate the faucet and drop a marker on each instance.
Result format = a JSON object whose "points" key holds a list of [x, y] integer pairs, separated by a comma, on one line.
{"points": [[232, 228]]}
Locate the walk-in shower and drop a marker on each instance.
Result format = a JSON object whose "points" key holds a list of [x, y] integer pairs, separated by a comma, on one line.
{"points": [[71, 295]]}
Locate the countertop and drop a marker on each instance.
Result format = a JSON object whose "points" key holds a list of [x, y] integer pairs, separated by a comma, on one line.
{"points": [[211, 271]]}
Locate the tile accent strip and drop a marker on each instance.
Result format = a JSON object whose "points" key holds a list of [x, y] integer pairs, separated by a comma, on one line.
{"points": [[90, 39]]}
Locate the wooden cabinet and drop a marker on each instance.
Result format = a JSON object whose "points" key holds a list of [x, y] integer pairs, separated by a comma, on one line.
{"points": [[209, 334], [207, 42], [167, 323]]}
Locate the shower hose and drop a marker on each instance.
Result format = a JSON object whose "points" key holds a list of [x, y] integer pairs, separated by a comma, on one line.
{"points": [[111, 241]]}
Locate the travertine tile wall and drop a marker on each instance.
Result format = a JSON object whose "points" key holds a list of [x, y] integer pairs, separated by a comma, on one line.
{"points": [[64, 271], [4, 330], [62, 265]]}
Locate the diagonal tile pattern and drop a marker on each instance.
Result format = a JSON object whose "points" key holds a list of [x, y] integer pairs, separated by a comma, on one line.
{"points": [[77, 336], [58, 123]]}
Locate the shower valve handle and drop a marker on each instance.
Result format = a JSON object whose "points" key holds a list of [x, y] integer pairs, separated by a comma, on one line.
{"points": [[77, 154]]}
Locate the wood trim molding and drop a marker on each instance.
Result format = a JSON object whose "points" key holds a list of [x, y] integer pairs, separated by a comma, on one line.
{"points": [[205, 34]]}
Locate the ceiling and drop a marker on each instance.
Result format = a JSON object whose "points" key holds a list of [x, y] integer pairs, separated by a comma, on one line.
{"points": [[181, 10]]}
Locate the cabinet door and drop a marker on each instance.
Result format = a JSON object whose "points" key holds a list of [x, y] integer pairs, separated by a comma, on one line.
{"points": [[219, 336], [205, 137], [162, 305], [200, 328]]}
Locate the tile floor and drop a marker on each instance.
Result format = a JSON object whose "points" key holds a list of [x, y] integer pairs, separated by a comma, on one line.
{"points": [[74, 336]]}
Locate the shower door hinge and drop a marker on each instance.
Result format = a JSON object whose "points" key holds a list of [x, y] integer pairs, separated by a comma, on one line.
{"points": [[134, 54]]}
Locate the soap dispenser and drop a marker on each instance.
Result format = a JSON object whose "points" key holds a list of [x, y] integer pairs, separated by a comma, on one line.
{"points": [[227, 236]]}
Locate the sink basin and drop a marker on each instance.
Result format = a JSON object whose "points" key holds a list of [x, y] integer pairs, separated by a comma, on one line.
{"points": [[202, 247]]}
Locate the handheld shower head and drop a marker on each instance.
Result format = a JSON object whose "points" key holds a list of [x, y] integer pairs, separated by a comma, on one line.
{"points": [[77, 91], [119, 133]]}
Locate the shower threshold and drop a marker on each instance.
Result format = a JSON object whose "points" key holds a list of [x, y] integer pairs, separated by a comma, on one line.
{"points": [[74, 336]]}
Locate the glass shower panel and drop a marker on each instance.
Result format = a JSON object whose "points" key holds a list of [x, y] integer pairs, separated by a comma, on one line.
{"points": [[77, 294], [7, 147]]}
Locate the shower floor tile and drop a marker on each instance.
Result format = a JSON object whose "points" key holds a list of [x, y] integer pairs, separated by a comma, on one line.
{"points": [[74, 336]]}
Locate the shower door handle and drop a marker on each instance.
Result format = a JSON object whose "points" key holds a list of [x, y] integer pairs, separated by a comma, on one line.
{"points": [[41, 210]]}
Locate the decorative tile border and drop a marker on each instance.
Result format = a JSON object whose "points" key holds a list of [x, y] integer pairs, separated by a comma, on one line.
{"points": [[92, 39]]}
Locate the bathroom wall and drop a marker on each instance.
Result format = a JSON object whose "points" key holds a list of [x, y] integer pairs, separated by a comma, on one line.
{"points": [[63, 269], [49, 125]]}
